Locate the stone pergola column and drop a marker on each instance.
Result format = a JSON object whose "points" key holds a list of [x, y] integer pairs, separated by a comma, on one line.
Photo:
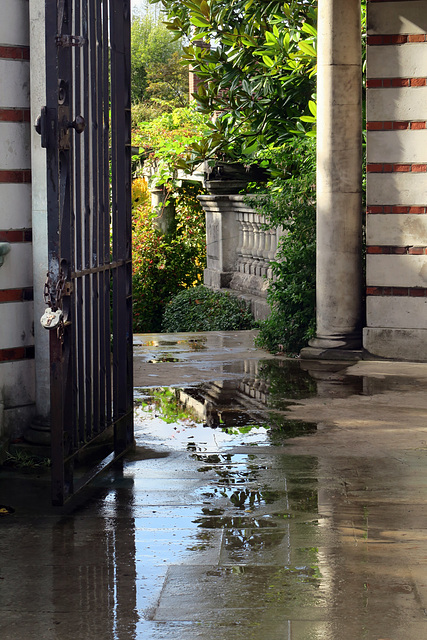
{"points": [[339, 183]]}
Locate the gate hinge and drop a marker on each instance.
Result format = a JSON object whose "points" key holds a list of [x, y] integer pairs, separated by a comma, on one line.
{"points": [[67, 40]]}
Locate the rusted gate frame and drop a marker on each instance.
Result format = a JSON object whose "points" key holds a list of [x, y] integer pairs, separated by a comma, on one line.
{"points": [[88, 74]]}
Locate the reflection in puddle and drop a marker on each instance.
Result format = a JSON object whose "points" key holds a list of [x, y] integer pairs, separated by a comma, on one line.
{"points": [[194, 344], [253, 518], [211, 415], [233, 521]]}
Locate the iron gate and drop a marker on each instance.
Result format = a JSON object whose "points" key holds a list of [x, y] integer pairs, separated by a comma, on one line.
{"points": [[85, 128]]}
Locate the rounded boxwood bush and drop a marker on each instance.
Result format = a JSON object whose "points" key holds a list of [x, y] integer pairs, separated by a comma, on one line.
{"points": [[201, 309]]}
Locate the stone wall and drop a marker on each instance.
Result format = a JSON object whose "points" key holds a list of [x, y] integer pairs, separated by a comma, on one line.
{"points": [[16, 280], [397, 180]]}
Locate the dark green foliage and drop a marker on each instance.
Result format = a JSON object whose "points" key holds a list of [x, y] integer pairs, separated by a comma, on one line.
{"points": [[201, 309], [291, 204]]}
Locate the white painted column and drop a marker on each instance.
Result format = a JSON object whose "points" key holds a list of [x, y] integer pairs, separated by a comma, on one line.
{"points": [[339, 183], [39, 215]]}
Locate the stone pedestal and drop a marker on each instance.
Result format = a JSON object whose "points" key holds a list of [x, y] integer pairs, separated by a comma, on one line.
{"points": [[222, 239]]}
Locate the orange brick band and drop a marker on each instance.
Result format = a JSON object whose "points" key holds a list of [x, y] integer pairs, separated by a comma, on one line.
{"points": [[17, 353], [15, 53], [397, 251], [383, 209], [375, 1], [396, 168], [409, 292], [398, 125], [14, 115], [16, 235], [16, 295], [15, 176], [390, 83], [395, 39]]}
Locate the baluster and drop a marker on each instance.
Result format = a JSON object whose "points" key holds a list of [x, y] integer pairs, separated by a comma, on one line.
{"points": [[255, 252], [272, 250], [265, 244], [246, 254], [256, 245], [250, 245], [240, 260]]}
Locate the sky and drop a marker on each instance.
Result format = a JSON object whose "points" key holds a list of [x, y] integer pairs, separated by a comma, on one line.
{"points": [[144, 6]]}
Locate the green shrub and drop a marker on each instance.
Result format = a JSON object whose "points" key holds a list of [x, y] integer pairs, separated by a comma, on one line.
{"points": [[291, 203], [201, 309], [165, 264]]}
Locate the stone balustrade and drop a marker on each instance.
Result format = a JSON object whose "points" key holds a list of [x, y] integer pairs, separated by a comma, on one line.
{"points": [[257, 245], [240, 249]]}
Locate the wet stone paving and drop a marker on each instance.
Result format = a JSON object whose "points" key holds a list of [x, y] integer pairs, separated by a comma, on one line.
{"points": [[266, 499]]}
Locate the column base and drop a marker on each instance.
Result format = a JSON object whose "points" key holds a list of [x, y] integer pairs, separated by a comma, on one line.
{"points": [[313, 353], [340, 347], [39, 432]]}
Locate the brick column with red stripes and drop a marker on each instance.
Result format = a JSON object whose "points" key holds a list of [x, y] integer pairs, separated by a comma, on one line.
{"points": [[397, 180], [16, 279]]}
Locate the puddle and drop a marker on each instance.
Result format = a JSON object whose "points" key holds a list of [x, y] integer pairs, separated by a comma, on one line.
{"points": [[209, 417], [245, 494], [167, 347], [208, 530], [234, 522], [198, 344]]}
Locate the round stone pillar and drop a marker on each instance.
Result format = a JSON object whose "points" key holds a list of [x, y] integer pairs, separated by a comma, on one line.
{"points": [[339, 180]]}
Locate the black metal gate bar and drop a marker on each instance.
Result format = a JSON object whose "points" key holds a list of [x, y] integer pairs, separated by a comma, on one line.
{"points": [[104, 86], [88, 74], [87, 188], [78, 307], [102, 206], [95, 98], [57, 95], [121, 212]]}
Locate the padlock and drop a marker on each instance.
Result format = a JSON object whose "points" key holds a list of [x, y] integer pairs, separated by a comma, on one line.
{"points": [[51, 319]]}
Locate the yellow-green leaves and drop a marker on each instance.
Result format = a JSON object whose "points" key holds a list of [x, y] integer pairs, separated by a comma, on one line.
{"points": [[307, 48], [313, 109], [308, 28]]}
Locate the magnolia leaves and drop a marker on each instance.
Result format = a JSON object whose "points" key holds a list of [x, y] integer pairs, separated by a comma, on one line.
{"points": [[256, 62]]}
